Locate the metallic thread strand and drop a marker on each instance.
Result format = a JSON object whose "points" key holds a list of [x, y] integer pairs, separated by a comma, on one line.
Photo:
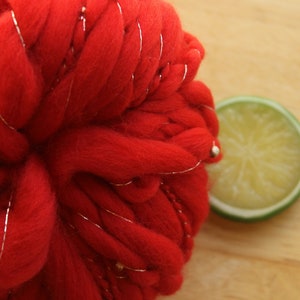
{"points": [[141, 36], [121, 266], [161, 46], [17, 28], [184, 171], [83, 18], [164, 173], [120, 8], [5, 227], [118, 216], [69, 93], [90, 221], [185, 72], [5, 122], [122, 184], [208, 107]]}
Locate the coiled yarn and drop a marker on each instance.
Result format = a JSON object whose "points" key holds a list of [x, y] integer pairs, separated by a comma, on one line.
{"points": [[104, 137]]}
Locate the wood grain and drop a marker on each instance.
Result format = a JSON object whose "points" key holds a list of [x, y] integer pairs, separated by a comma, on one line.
{"points": [[252, 48]]}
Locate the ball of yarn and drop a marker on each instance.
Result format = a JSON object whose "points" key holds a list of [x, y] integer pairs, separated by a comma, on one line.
{"points": [[104, 140]]}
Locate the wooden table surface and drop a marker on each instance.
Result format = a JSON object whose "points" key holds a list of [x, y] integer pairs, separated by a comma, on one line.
{"points": [[252, 47]]}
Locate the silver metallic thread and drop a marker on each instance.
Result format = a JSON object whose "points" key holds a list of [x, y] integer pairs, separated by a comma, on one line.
{"points": [[17, 28], [5, 227]]}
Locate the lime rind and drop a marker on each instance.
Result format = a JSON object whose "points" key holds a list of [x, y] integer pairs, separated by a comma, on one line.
{"points": [[267, 102], [254, 214], [250, 215]]}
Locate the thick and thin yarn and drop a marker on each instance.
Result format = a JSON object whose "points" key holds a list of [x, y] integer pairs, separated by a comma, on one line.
{"points": [[104, 137]]}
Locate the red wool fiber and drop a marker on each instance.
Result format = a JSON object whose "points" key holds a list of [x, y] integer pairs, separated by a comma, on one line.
{"points": [[104, 137]]}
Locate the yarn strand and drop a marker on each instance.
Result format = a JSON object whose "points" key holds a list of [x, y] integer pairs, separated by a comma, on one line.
{"points": [[105, 136]]}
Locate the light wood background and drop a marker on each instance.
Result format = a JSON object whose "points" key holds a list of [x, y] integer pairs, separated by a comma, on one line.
{"points": [[252, 47]]}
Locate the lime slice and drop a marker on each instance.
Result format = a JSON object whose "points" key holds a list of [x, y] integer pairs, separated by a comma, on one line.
{"points": [[259, 174]]}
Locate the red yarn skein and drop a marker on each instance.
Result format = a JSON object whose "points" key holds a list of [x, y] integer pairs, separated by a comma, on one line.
{"points": [[104, 140]]}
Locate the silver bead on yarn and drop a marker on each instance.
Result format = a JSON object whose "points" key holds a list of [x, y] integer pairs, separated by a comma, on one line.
{"points": [[214, 151]]}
